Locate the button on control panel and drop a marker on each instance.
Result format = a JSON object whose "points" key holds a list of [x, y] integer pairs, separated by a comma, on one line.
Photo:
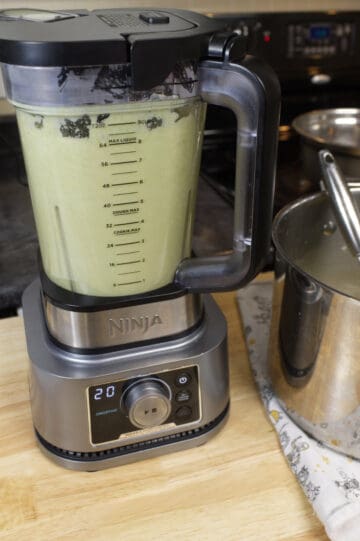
{"points": [[147, 403], [154, 17], [183, 396], [183, 413], [182, 379], [125, 406]]}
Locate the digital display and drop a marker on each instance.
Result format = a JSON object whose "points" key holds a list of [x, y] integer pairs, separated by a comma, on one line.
{"points": [[103, 392], [319, 32]]}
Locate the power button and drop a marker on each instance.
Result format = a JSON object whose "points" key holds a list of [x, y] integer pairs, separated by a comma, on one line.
{"points": [[182, 379]]}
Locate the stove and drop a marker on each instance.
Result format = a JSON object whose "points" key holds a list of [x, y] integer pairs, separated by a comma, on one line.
{"points": [[18, 241], [316, 56]]}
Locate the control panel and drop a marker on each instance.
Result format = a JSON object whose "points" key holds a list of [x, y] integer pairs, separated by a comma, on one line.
{"points": [[324, 39], [306, 49], [126, 406]]}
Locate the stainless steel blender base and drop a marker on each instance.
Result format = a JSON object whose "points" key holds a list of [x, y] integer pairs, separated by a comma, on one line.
{"points": [[82, 406]]}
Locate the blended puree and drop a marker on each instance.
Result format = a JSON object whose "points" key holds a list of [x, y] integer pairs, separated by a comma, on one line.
{"points": [[113, 191]]}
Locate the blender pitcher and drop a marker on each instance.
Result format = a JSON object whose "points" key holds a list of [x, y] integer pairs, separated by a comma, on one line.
{"points": [[112, 144], [127, 350]]}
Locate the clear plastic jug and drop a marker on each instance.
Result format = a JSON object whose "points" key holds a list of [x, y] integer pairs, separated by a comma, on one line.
{"points": [[113, 165], [113, 188]]}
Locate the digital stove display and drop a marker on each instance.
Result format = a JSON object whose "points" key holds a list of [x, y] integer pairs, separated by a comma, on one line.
{"points": [[319, 32], [120, 407], [320, 39]]}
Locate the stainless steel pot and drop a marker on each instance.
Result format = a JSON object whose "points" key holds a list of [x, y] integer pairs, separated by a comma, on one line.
{"points": [[336, 129], [314, 351]]}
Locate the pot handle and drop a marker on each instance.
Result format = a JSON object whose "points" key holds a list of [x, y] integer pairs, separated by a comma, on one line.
{"points": [[301, 326], [251, 90], [344, 206]]}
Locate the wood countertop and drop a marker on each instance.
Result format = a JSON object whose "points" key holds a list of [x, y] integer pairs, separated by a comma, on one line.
{"points": [[235, 487]]}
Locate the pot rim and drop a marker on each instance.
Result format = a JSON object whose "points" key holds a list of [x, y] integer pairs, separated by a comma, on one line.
{"points": [[320, 142], [285, 211]]}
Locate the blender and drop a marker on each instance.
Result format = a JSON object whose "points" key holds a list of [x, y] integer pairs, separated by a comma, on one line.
{"points": [[127, 348]]}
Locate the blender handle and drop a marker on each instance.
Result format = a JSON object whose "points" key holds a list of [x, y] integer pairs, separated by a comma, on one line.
{"points": [[251, 90]]}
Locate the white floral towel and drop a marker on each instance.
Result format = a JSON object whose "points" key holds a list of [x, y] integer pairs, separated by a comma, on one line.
{"points": [[331, 481]]}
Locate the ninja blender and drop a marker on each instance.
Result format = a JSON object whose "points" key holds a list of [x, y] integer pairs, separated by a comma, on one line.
{"points": [[127, 350]]}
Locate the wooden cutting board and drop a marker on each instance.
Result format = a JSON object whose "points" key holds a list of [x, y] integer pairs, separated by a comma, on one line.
{"points": [[236, 487]]}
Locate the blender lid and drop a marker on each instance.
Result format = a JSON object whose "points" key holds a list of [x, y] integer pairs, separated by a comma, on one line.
{"points": [[152, 40]]}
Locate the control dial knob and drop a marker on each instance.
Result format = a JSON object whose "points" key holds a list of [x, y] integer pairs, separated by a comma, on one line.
{"points": [[147, 403]]}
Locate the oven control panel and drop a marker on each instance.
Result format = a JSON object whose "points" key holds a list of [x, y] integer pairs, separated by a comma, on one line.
{"points": [[157, 401], [301, 45], [320, 39]]}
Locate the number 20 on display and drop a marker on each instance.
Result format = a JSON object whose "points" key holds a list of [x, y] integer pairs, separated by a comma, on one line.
{"points": [[107, 392]]}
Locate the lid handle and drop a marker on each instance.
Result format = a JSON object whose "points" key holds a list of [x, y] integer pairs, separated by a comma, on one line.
{"points": [[344, 206]]}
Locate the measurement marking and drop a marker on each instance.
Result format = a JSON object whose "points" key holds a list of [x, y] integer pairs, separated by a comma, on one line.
{"points": [[129, 253], [121, 163], [128, 263], [125, 183], [124, 173], [124, 143], [123, 152], [125, 193], [121, 123], [128, 203], [117, 232], [127, 223], [130, 283], [124, 213], [125, 133], [128, 243], [125, 273]]}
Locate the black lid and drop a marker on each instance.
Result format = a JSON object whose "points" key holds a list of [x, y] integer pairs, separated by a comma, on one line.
{"points": [[152, 40]]}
